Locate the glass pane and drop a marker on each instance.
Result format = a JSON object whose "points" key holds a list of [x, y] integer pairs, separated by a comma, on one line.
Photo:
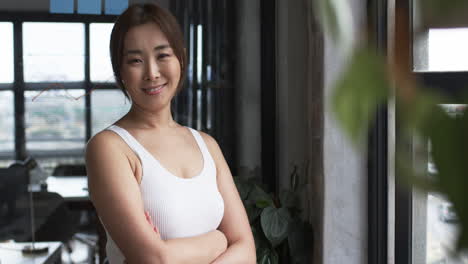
{"points": [[101, 68], [442, 50], [6, 52], [7, 130], [55, 120], [442, 221], [107, 107], [53, 52]]}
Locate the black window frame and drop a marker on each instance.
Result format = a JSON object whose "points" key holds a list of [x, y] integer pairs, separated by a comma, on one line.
{"points": [[451, 85], [221, 83], [377, 150], [19, 86]]}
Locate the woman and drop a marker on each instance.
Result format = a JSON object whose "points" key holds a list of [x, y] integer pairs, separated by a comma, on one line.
{"points": [[148, 165]]}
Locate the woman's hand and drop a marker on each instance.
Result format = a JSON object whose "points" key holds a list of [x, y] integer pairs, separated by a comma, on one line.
{"points": [[150, 221]]}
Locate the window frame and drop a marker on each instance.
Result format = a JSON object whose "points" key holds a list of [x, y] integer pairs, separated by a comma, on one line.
{"points": [[449, 84], [377, 152], [215, 54], [19, 86]]}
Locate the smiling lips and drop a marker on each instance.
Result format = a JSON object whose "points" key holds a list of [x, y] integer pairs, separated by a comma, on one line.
{"points": [[154, 89]]}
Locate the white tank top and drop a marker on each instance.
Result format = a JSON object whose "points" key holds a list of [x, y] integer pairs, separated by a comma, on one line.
{"points": [[179, 207]]}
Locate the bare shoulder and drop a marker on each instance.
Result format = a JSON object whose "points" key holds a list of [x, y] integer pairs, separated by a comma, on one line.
{"points": [[101, 139], [209, 140], [212, 145], [105, 142], [106, 149]]}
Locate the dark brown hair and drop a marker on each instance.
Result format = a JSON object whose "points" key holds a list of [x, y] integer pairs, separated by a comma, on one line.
{"points": [[140, 14]]}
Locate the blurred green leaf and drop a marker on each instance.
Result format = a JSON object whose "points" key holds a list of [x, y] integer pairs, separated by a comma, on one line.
{"points": [[261, 242], [243, 186], [275, 224], [268, 256], [357, 94], [335, 17], [324, 10], [253, 212], [448, 136], [260, 197]]}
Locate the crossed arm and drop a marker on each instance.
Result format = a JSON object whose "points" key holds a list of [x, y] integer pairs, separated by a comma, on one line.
{"points": [[115, 192]]}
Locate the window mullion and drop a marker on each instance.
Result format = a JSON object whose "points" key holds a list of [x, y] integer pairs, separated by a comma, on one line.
{"points": [[403, 243], [87, 84], [18, 90]]}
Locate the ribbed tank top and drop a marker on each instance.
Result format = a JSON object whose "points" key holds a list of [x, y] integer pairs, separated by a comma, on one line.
{"points": [[179, 207]]}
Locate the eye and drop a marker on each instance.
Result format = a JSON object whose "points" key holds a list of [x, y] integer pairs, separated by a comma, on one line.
{"points": [[163, 55], [133, 61]]}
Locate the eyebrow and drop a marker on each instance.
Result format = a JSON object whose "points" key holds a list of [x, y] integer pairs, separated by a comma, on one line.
{"points": [[136, 51]]}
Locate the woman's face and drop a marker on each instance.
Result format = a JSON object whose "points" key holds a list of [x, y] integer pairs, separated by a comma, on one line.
{"points": [[150, 70]]}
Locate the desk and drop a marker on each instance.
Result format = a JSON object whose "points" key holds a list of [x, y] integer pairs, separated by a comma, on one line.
{"points": [[10, 253], [74, 189], [71, 188]]}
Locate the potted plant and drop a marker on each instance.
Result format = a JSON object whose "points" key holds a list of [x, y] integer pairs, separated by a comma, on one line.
{"points": [[279, 231]]}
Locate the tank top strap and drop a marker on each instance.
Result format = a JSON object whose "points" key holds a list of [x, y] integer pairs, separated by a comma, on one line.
{"points": [[201, 143], [129, 139]]}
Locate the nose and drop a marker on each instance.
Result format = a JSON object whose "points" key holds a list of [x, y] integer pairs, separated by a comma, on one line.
{"points": [[152, 71]]}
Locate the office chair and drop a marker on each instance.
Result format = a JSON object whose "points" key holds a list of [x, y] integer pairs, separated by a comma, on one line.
{"points": [[13, 203], [69, 170], [85, 233], [13, 184], [53, 220]]}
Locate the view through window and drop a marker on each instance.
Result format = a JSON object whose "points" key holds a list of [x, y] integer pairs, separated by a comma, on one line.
{"points": [[439, 51]]}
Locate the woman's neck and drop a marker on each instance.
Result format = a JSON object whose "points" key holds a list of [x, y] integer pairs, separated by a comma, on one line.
{"points": [[142, 118]]}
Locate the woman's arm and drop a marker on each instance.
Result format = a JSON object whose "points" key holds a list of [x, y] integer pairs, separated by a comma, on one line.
{"points": [[199, 249], [116, 196], [235, 224]]}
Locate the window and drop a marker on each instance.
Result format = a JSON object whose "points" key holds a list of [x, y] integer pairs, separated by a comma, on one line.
{"points": [[56, 83], [54, 120], [6, 52], [108, 106], [441, 60], [69, 92], [101, 68], [53, 52], [6, 97], [7, 123], [442, 50]]}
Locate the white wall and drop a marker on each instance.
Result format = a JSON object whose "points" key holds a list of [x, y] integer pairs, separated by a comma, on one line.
{"points": [[345, 201], [345, 177]]}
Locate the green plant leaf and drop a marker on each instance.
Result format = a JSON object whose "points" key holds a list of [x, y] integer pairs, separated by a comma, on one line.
{"points": [[448, 136], [268, 256], [253, 212], [357, 94], [335, 17], [300, 241], [324, 10], [261, 242], [275, 224], [260, 197], [289, 199], [243, 186]]}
